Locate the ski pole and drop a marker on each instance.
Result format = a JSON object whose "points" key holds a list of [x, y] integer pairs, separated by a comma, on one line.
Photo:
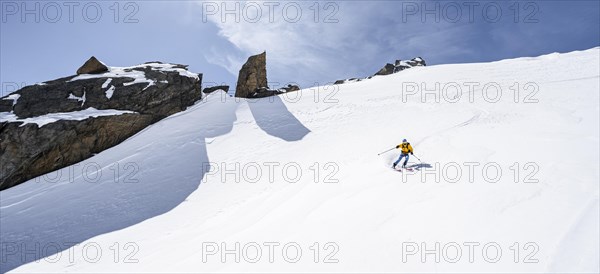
{"points": [[417, 158], [386, 151]]}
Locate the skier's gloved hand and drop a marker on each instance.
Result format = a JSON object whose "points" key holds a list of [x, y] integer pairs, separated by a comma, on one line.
{"points": [[398, 146], [411, 153]]}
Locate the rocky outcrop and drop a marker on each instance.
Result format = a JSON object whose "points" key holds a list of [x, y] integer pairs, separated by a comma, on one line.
{"points": [[92, 66], [252, 80], [415, 62], [291, 88], [29, 151], [400, 65], [266, 92], [215, 88], [351, 80], [149, 92], [252, 76], [152, 88], [388, 69]]}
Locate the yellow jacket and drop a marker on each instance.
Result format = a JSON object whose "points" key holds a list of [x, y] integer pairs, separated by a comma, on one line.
{"points": [[405, 147]]}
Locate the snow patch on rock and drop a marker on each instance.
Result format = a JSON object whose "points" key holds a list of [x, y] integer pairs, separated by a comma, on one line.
{"points": [[106, 82], [53, 117], [81, 99], [109, 92], [13, 97]]}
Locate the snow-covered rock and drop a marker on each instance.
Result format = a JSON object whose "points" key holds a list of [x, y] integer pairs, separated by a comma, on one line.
{"points": [[61, 117], [398, 66], [401, 65]]}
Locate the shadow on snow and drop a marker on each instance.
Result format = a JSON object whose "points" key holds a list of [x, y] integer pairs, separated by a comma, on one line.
{"points": [[53, 217]]}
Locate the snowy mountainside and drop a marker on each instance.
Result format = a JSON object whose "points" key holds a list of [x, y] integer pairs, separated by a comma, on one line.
{"points": [[294, 184]]}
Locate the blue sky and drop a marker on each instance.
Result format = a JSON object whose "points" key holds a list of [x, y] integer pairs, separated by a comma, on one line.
{"points": [[342, 40]]}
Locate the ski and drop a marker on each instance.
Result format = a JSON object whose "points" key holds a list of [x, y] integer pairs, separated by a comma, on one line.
{"points": [[400, 170]]}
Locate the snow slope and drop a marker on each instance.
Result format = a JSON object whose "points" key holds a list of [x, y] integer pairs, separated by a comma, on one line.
{"points": [[166, 211]]}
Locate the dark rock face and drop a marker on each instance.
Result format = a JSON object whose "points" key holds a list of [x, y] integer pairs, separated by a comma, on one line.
{"points": [[215, 88], [252, 76], [6, 105], [29, 151], [387, 69], [252, 80], [92, 66], [153, 90]]}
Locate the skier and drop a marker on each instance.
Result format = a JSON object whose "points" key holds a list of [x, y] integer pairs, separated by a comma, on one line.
{"points": [[406, 148]]}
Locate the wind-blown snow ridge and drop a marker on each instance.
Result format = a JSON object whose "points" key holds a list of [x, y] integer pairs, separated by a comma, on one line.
{"points": [[53, 117]]}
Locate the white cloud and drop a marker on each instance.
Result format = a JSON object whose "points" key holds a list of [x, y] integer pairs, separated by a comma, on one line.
{"points": [[231, 62], [366, 36]]}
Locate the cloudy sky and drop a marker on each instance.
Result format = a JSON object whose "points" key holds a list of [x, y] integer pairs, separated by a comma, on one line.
{"points": [[307, 42]]}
